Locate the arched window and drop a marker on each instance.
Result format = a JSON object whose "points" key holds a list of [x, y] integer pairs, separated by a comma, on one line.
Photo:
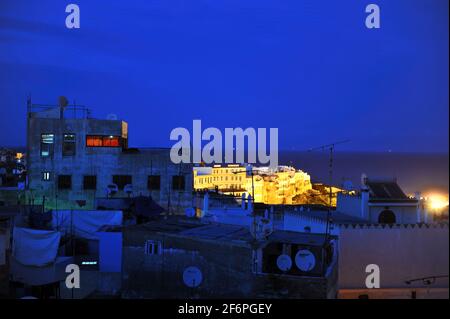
{"points": [[386, 217]]}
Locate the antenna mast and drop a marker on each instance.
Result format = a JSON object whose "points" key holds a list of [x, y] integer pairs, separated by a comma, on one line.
{"points": [[330, 148]]}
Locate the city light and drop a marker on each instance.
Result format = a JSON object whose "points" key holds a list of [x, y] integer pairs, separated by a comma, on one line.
{"points": [[437, 201]]}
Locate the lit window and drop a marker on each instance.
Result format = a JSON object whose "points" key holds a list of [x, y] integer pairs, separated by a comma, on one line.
{"points": [[69, 145], [94, 141], [47, 142], [102, 141], [111, 141], [153, 247], [45, 176]]}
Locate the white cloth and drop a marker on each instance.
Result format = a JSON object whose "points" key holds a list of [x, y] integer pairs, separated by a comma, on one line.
{"points": [[32, 247], [85, 223]]}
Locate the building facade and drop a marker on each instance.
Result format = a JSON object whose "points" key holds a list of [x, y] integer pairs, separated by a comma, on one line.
{"points": [[229, 263], [74, 160], [270, 186]]}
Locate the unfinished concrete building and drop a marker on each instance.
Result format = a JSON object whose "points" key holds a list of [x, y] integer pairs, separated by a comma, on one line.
{"points": [[74, 159], [186, 258]]}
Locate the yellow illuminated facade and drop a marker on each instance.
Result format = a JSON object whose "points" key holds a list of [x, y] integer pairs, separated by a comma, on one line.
{"points": [[229, 179], [284, 185]]}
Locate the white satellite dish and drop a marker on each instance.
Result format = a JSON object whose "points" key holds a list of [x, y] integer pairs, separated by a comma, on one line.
{"points": [[190, 212], [111, 117], [305, 260], [192, 277], [284, 262]]}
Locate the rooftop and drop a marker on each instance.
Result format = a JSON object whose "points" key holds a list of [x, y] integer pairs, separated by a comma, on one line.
{"points": [[337, 217], [233, 234], [382, 190]]}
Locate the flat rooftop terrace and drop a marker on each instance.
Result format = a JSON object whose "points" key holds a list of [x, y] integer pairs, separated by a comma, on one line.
{"points": [[222, 232]]}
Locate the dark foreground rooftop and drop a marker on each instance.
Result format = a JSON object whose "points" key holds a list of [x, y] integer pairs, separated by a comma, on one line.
{"points": [[222, 232]]}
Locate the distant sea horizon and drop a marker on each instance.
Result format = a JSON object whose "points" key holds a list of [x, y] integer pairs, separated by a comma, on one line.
{"points": [[414, 172]]}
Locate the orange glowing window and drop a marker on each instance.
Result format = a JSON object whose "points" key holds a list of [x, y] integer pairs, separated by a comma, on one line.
{"points": [[111, 141], [102, 141]]}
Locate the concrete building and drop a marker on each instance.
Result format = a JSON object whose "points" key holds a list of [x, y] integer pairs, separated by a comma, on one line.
{"points": [[229, 179], [382, 226], [228, 261], [73, 159], [382, 201]]}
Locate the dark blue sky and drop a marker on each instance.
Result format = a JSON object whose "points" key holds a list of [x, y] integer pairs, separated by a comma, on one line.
{"points": [[308, 67]]}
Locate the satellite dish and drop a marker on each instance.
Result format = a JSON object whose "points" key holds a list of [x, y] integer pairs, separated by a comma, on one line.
{"points": [[81, 202], [305, 260], [192, 277], [261, 228], [62, 101], [284, 262], [348, 185], [111, 117], [111, 189], [190, 212]]}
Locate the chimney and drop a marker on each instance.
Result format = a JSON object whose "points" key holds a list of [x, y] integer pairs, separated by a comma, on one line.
{"points": [[250, 203], [62, 103], [205, 203], [364, 203], [420, 210]]}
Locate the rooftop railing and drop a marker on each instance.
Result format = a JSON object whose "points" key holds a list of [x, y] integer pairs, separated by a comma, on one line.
{"points": [[71, 111]]}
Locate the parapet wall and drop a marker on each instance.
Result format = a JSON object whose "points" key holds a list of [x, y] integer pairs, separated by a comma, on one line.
{"points": [[402, 252]]}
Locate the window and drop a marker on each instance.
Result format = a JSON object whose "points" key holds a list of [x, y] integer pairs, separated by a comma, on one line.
{"points": [[46, 176], [47, 142], [386, 217], [90, 182], [122, 180], [103, 141], [69, 145], [178, 182], [94, 141], [154, 182], [153, 247], [64, 181], [111, 141]]}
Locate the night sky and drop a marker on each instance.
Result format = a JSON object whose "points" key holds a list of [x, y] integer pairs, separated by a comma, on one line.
{"points": [[309, 67]]}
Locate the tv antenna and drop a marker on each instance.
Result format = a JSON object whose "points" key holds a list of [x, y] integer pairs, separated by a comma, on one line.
{"points": [[257, 224], [329, 147]]}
